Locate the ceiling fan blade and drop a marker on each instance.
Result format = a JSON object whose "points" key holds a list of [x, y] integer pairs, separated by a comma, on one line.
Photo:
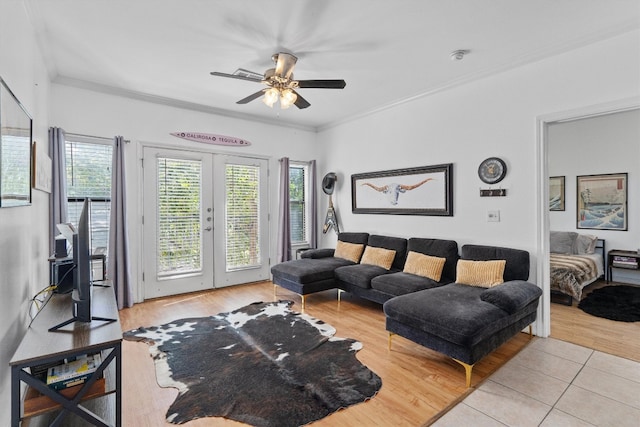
{"points": [[233, 76], [321, 84], [284, 64], [301, 103], [251, 97]]}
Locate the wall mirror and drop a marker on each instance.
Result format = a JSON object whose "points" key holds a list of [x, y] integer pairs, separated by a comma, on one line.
{"points": [[15, 150]]}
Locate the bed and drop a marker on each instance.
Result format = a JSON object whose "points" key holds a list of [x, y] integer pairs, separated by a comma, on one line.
{"points": [[577, 260]]}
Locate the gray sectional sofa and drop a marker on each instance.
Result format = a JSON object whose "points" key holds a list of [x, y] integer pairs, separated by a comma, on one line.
{"points": [[461, 321]]}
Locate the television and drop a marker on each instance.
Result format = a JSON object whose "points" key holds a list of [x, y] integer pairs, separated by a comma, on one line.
{"points": [[82, 277], [81, 294]]}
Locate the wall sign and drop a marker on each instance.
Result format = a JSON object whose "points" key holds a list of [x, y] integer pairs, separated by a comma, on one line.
{"points": [[210, 138]]}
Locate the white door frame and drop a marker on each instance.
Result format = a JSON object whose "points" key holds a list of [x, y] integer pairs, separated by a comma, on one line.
{"points": [[543, 325]]}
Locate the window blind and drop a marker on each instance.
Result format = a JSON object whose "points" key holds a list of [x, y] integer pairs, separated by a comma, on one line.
{"points": [[179, 242], [297, 203], [242, 183], [89, 176]]}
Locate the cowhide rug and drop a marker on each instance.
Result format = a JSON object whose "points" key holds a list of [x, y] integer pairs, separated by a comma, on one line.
{"points": [[262, 364]]}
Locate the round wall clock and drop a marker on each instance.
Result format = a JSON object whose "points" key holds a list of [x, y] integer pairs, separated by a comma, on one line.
{"points": [[492, 170]]}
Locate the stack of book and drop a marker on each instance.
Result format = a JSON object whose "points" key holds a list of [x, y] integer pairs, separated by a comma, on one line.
{"points": [[73, 372], [624, 262]]}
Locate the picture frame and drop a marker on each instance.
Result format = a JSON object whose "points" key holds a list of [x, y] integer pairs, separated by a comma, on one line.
{"points": [[15, 150], [602, 201], [556, 193], [425, 190], [41, 169]]}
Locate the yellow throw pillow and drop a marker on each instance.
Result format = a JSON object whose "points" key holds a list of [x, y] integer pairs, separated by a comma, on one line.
{"points": [[485, 274], [348, 251], [424, 265], [378, 256]]}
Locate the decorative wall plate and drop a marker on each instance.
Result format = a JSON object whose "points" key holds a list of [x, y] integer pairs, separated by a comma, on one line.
{"points": [[492, 170]]}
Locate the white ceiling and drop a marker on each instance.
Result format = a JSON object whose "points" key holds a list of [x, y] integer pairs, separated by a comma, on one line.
{"points": [[387, 51]]}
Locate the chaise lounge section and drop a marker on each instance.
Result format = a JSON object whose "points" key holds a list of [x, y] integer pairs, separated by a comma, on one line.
{"points": [[314, 272], [468, 322]]}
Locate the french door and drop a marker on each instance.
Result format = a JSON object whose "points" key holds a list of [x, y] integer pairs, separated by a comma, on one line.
{"points": [[205, 222]]}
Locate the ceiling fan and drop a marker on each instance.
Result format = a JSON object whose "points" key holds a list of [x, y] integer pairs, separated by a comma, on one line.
{"points": [[281, 85]]}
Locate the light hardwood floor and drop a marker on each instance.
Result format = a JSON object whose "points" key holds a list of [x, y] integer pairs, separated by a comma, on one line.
{"points": [[569, 323], [417, 384]]}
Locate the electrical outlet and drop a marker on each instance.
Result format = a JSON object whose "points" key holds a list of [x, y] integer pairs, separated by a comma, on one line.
{"points": [[493, 216]]}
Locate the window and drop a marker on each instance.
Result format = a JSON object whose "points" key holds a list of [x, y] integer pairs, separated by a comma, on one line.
{"points": [[242, 216], [179, 223], [298, 191], [88, 163]]}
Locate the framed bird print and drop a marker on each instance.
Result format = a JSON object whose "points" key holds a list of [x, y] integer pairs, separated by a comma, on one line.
{"points": [[425, 190]]}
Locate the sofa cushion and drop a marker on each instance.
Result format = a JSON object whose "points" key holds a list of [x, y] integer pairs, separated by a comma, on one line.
{"points": [[439, 248], [512, 296], [397, 244], [349, 251], [401, 283], [359, 275], [378, 256], [480, 273], [351, 237], [453, 312], [517, 267], [308, 270], [424, 265], [318, 253]]}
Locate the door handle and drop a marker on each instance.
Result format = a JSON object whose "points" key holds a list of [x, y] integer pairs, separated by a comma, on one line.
{"points": [[208, 228]]}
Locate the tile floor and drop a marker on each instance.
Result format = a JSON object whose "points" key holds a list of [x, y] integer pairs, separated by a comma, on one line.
{"points": [[552, 383]]}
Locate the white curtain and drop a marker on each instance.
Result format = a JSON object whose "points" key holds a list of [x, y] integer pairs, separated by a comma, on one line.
{"points": [[284, 225], [118, 252], [58, 208]]}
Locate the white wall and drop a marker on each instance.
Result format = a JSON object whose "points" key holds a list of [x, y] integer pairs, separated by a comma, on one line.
{"points": [[24, 235], [599, 145], [90, 113]]}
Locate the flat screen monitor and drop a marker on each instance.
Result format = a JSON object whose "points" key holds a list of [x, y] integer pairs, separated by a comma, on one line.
{"points": [[82, 279], [81, 294]]}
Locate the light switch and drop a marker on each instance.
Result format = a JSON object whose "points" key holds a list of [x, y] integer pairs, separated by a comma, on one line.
{"points": [[493, 216]]}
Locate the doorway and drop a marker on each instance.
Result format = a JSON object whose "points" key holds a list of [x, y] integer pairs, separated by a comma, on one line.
{"points": [[544, 226], [205, 221]]}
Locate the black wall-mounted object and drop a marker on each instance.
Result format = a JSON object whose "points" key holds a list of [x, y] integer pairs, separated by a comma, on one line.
{"points": [[499, 192]]}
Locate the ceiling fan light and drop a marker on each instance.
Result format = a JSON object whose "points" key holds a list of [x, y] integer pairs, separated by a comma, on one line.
{"points": [[270, 97], [287, 98]]}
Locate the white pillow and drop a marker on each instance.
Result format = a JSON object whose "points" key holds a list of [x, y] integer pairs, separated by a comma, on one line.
{"points": [[586, 244]]}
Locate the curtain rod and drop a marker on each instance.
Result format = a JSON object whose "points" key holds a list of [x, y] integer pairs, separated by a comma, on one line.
{"points": [[94, 137]]}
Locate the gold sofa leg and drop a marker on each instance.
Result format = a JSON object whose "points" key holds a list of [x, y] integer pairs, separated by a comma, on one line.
{"points": [[391, 334], [303, 300], [467, 369]]}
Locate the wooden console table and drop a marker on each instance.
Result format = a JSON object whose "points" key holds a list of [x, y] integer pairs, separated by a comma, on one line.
{"points": [[39, 347]]}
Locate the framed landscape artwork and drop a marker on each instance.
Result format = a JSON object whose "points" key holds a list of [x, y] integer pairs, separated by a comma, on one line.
{"points": [[425, 190], [556, 193], [602, 201]]}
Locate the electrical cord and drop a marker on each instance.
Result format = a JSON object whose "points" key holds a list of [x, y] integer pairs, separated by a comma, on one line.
{"points": [[43, 296]]}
